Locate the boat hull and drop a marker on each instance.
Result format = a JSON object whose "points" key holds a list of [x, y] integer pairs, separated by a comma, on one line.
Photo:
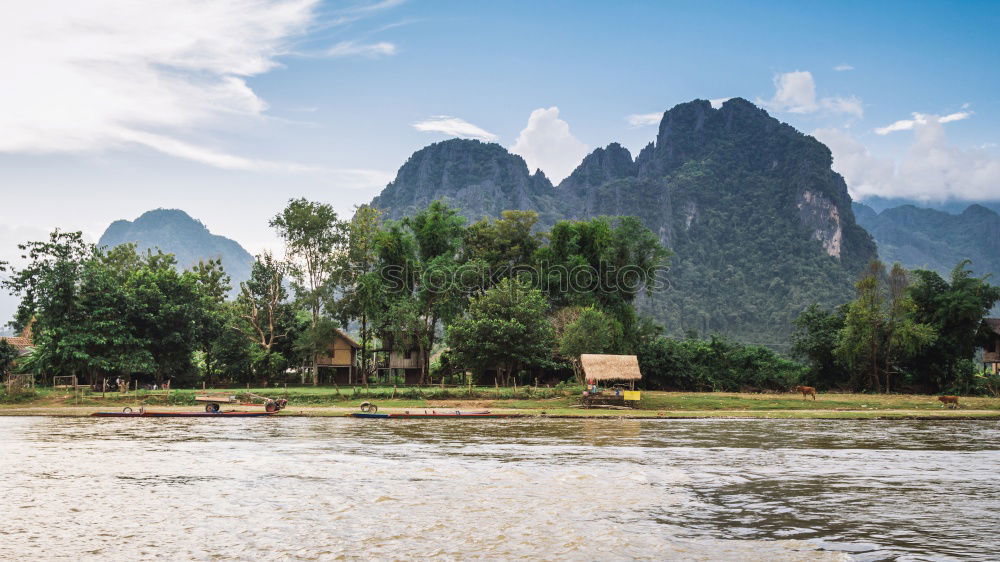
{"points": [[181, 414], [435, 415]]}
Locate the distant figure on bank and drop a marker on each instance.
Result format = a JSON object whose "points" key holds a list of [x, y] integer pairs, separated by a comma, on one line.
{"points": [[950, 401], [806, 390]]}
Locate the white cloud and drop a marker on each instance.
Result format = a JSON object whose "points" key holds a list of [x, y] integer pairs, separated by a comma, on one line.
{"points": [[717, 102], [353, 48], [921, 119], [644, 119], [454, 127], [795, 92], [843, 67], [104, 74], [931, 169], [547, 143]]}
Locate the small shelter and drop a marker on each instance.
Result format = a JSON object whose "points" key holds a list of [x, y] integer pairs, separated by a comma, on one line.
{"points": [[610, 368], [991, 351]]}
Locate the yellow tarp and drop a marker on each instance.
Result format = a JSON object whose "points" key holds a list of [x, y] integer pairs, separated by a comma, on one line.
{"points": [[632, 395]]}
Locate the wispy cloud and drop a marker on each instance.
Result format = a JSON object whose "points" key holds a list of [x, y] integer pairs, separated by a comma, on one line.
{"points": [[921, 119], [455, 127], [354, 48], [643, 119], [105, 74], [843, 67], [795, 92]]}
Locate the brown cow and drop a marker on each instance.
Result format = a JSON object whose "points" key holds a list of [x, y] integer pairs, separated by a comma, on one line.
{"points": [[950, 401], [806, 390]]}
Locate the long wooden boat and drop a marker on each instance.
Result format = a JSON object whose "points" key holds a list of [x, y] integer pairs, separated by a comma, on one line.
{"points": [[455, 414], [152, 414]]}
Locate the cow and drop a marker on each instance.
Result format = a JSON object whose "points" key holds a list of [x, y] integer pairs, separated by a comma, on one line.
{"points": [[806, 391]]}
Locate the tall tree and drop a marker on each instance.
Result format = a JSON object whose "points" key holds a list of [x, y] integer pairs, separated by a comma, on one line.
{"points": [[213, 286], [314, 240], [815, 340], [505, 328], [360, 283], [49, 291], [880, 328]]}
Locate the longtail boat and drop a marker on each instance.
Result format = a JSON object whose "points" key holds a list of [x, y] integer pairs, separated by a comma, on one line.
{"points": [[452, 414], [152, 414]]}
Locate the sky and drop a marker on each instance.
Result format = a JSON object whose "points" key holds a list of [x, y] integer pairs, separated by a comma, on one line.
{"points": [[110, 108]]}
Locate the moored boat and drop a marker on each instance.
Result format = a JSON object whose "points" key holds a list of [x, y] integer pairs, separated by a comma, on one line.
{"points": [[154, 414], [452, 414]]}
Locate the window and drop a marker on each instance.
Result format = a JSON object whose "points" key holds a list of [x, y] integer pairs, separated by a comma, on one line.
{"points": [[407, 353]]}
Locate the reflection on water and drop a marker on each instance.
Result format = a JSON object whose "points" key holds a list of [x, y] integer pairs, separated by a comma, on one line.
{"points": [[310, 488]]}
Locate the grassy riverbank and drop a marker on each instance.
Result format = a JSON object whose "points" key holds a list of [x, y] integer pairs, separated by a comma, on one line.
{"points": [[563, 402]]}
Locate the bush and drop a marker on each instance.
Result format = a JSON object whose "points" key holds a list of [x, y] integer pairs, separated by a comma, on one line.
{"points": [[716, 365]]}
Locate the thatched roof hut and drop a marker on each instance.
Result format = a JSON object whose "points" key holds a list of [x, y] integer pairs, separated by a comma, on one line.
{"points": [[610, 367]]}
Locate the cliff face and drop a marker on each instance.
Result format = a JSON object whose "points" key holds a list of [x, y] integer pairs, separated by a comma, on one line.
{"points": [[175, 232], [760, 224], [480, 179]]}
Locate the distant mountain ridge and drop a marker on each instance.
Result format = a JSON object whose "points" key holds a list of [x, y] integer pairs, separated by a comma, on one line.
{"points": [[933, 239], [174, 231], [760, 223], [481, 179]]}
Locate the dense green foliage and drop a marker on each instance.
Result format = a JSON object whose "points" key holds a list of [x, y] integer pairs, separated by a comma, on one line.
{"points": [[506, 329], [903, 331], [716, 364]]}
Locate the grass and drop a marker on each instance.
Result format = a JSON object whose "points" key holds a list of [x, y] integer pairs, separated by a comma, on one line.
{"points": [[563, 402]]}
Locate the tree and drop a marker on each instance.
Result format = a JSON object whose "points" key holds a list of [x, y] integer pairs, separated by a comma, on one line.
{"points": [[815, 340], [8, 356], [361, 286], [880, 328], [49, 289], [266, 317], [314, 240], [506, 245], [165, 313], [591, 332], [213, 285], [604, 262], [955, 309], [420, 283], [505, 328]]}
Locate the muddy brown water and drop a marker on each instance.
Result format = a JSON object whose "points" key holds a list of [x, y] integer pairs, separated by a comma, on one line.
{"points": [[334, 488]]}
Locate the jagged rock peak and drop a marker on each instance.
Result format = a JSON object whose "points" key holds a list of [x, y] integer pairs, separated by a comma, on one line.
{"points": [[599, 167], [480, 179]]}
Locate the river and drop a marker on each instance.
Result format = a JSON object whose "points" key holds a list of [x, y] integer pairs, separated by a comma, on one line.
{"points": [[552, 489]]}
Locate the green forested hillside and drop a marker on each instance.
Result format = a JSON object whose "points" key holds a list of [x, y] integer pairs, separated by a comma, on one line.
{"points": [[759, 223]]}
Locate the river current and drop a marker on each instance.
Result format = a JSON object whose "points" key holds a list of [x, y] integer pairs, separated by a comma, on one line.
{"points": [[548, 489]]}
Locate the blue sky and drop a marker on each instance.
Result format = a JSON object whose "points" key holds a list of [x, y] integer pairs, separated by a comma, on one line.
{"points": [[110, 108]]}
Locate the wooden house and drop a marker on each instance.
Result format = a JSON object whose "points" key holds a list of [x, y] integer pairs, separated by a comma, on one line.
{"points": [[406, 362], [991, 351], [337, 362]]}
